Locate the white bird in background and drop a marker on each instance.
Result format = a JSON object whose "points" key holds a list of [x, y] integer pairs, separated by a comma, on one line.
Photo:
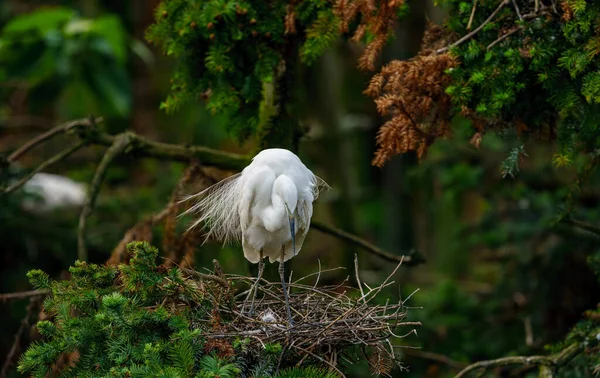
{"points": [[268, 207]]}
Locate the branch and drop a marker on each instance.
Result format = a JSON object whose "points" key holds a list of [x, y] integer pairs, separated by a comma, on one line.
{"points": [[435, 357], [553, 361], [54, 159], [21, 295], [90, 122], [504, 36], [120, 143], [25, 323], [139, 146], [582, 225], [472, 15], [471, 34], [142, 147], [414, 258]]}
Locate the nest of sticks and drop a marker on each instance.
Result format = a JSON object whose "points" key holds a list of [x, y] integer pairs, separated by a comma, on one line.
{"points": [[331, 323]]}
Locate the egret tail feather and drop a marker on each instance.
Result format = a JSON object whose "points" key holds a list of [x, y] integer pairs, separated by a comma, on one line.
{"points": [[217, 209]]}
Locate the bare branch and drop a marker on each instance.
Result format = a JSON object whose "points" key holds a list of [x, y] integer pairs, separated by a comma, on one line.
{"points": [[517, 9], [556, 360], [54, 159], [477, 30], [410, 260], [504, 36], [25, 323], [472, 15], [435, 357], [21, 295], [581, 225], [121, 142], [50, 134], [142, 147]]}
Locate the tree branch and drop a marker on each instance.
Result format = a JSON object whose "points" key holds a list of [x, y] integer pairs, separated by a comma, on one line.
{"points": [[120, 143], [553, 361], [21, 295], [414, 258], [435, 357], [142, 147], [23, 328], [54, 159], [90, 122], [138, 146], [582, 225], [476, 30]]}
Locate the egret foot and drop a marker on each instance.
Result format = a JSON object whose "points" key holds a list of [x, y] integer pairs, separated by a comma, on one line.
{"points": [[285, 293]]}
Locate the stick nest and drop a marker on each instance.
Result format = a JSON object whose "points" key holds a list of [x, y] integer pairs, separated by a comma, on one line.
{"points": [[330, 322]]}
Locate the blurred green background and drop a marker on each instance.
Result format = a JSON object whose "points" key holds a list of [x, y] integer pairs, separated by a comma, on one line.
{"points": [[500, 277]]}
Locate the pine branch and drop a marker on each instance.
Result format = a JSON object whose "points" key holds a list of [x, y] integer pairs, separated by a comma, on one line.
{"points": [[120, 144], [544, 362]]}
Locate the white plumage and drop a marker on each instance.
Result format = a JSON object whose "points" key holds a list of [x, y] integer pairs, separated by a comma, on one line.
{"points": [[267, 207], [255, 206]]}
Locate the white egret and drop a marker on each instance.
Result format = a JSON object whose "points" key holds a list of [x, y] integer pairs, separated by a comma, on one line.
{"points": [[268, 207]]}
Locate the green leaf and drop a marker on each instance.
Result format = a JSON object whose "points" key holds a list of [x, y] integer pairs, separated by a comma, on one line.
{"points": [[41, 21], [111, 29]]}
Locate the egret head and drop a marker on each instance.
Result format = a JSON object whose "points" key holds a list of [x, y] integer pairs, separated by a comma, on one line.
{"points": [[285, 189]]}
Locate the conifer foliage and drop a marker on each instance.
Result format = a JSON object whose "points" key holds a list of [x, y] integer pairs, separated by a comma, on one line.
{"points": [[140, 320], [529, 66], [228, 50]]}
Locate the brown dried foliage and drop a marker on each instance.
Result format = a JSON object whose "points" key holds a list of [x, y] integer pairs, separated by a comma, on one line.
{"points": [[412, 94], [290, 19], [375, 17], [380, 361], [179, 249]]}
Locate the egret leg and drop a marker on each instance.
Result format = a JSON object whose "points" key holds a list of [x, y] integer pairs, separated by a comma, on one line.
{"points": [[254, 289], [285, 293], [261, 268]]}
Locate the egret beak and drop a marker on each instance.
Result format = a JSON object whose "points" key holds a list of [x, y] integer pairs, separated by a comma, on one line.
{"points": [[293, 232]]}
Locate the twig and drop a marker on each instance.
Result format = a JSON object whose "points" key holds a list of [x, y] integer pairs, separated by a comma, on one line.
{"points": [[323, 360], [471, 34], [119, 145], [537, 6], [555, 360], [54, 159], [436, 357], [472, 15], [49, 134], [341, 234], [362, 293], [504, 36], [22, 294], [582, 225], [517, 10], [25, 322]]}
